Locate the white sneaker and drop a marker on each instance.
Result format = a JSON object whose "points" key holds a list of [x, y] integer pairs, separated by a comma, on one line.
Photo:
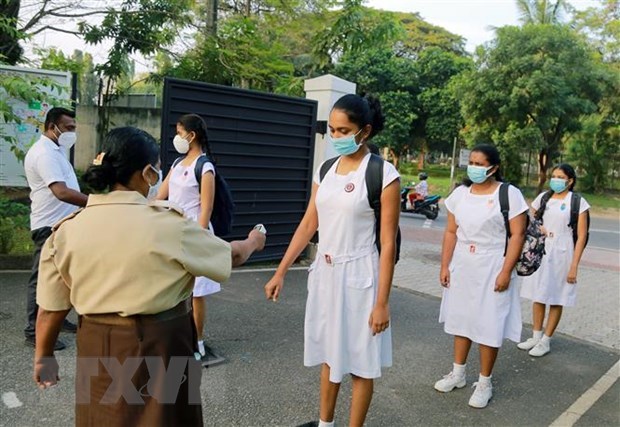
{"points": [[450, 382], [528, 344], [201, 348], [481, 396], [542, 348]]}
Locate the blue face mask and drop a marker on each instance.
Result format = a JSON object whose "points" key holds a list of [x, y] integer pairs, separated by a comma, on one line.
{"points": [[345, 145], [557, 184], [477, 174]]}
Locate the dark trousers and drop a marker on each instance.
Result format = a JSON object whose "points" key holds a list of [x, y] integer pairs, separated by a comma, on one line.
{"points": [[39, 236], [164, 391]]}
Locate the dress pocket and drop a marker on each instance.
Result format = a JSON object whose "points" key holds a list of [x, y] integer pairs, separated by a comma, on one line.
{"points": [[359, 294]]}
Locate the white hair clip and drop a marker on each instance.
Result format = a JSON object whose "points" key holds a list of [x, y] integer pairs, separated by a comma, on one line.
{"points": [[99, 159]]}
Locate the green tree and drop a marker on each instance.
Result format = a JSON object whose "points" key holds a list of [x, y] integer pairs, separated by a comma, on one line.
{"points": [[79, 63], [541, 11], [530, 88], [394, 80], [601, 25], [10, 35]]}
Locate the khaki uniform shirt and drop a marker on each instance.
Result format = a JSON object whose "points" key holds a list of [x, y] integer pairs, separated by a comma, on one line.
{"points": [[121, 255]]}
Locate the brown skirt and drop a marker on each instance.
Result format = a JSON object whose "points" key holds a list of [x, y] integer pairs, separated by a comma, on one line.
{"points": [[137, 371]]}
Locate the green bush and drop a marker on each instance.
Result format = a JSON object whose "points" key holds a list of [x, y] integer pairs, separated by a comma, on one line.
{"points": [[7, 235]]}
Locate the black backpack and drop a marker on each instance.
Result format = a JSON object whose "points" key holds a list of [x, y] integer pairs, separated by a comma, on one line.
{"points": [[374, 185], [533, 248], [575, 204], [223, 204]]}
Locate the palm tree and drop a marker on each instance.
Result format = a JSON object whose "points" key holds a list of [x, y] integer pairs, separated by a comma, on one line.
{"points": [[541, 11]]}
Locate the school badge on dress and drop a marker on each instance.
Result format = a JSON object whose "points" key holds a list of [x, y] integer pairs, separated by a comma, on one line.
{"points": [[349, 187]]}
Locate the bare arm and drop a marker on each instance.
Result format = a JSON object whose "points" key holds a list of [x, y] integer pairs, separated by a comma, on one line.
{"points": [[207, 195], [67, 195], [447, 250], [304, 232], [580, 245], [241, 250], [390, 214], [45, 366], [163, 192], [515, 244]]}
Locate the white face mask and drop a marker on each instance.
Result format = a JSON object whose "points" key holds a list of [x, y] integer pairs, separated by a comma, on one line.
{"points": [[66, 139], [181, 144], [154, 188]]}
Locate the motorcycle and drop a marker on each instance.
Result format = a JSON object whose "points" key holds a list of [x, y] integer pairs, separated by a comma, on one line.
{"points": [[429, 207]]}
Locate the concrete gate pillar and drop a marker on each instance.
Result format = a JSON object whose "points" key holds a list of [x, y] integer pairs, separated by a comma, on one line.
{"points": [[326, 90]]}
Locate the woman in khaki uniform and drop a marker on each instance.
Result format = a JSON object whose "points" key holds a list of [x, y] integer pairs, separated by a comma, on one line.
{"points": [[127, 267]]}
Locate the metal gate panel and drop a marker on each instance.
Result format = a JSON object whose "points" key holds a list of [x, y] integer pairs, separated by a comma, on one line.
{"points": [[264, 148]]}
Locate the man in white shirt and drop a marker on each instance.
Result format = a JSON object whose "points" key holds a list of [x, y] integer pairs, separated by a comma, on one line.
{"points": [[54, 192]]}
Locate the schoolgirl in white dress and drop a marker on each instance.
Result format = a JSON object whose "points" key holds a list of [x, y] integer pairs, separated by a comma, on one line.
{"points": [[181, 187], [347, 311], [555, 282], [480, 303]]}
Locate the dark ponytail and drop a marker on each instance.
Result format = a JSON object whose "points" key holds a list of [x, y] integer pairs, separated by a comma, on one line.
{"points": [[362, 110], [492, 155], [195, 123], [125, 150], [569, 171]]}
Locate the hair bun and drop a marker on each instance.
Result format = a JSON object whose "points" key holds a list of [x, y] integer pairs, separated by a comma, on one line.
{"points": [[101, 176]]}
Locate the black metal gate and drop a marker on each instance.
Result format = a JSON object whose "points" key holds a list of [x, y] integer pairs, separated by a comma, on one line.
{"points": [[264, 147]]}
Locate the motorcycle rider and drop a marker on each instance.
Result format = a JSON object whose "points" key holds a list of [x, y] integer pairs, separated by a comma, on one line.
{"points": [[421, 189]]}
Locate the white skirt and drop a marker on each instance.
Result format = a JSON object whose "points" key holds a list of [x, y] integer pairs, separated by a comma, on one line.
{"points": [[336, 332], [471, 308], [548, 284]]}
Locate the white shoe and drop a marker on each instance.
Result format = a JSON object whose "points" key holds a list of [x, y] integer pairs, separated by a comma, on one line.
{"points": [[450, 382], [201, 348], [481, 396], [528, 344], [542, 348]]}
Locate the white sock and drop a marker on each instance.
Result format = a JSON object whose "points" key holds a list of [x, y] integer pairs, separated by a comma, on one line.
{"points": [[537, 335], [458, 370], [545, 339], [326, 424], [484, 380]]}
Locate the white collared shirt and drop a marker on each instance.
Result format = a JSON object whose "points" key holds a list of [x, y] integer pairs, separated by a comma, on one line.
{"points": [[45, 164]]}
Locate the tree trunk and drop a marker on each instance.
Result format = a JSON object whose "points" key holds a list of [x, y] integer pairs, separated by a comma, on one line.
{"points": [[395, 158], [421, 159], [543, 165], [211, 17]]}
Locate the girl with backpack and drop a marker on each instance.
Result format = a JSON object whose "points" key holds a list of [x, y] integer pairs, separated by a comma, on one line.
{"points": [[555, 282], [196, 200], [347, 318], [480, 302]]}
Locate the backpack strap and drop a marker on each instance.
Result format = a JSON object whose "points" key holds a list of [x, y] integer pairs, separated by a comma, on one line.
{"points": [[575, 204], [543, 205], [326, 166], [177, 160], [374, 186], [200, 162], [504, 206]]}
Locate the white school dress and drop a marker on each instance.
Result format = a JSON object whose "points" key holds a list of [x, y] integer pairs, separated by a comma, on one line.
{"points": [[343, 279], [183, 191], [470, 307], [548, 284]]}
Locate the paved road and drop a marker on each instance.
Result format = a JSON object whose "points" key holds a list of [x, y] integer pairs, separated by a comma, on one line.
{"points": [[604, 231], [265, 384]]}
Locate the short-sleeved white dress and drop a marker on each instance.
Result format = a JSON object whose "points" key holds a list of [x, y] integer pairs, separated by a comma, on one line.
{"points": [[548, 284], [183, 191], [343, 279], [470, 307]]}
